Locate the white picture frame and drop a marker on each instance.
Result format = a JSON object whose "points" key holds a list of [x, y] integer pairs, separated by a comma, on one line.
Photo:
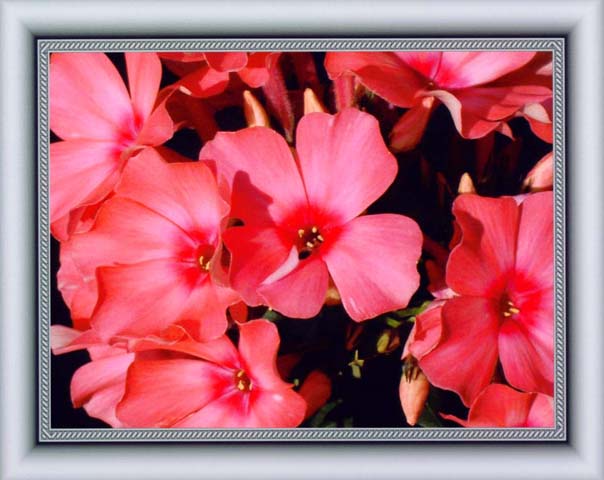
{"points": [[22, 456]]}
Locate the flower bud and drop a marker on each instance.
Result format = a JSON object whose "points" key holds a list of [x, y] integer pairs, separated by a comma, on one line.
{"points": [[413, 391], [541, 176], [311, 102], [255, 114], [466, 185]]}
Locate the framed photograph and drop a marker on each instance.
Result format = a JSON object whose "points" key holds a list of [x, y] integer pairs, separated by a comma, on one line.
{"points": [[335, 245]]}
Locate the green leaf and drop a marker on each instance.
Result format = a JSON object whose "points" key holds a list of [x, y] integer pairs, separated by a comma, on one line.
{"points": [[413, 311]]}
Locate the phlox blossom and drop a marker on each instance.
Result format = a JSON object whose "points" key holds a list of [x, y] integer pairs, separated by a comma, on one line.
{"points": [[101, 124], [481, 89], [208, 74], [154, 253], [501, 273], [213, 385], [300, 213]]}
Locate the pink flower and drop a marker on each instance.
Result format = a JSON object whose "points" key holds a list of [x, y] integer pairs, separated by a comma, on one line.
{"points": [[300, 217], [101, 126], [502, 273], [207, 74], [500, 406], [155, 252], [213, 385], [474, 86]]}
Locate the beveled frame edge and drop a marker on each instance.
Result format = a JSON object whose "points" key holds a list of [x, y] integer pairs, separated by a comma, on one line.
{"points": [[47, 433], [20, 457]]}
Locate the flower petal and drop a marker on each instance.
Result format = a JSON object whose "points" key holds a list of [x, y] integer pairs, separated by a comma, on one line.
{"points": [[277, 409], [465, 69], [186, 193], [465, 358], [144, 76], [527, 364], [482, 262], [256, 253], [373, 263], [78, 288], [381, 72], [264, 178], [316, 390], [88, 99], [160, 393], [426, 63], [258, 346], [204, 82], [144, 298], [344, 163], [426, 332], [97, 385], [256, 73], [535, 249], [299, 294], [541, 413], [176, 339], [205, 312], [258, 409], [500, 406], [82, 172], [226, 61], [128, 232], [409, 129]]}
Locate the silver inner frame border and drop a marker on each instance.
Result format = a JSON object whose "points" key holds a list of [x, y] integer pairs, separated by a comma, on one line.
{"points": [[47, 434]]}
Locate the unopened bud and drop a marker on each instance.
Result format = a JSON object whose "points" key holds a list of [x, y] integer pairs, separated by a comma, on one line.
{"points": [[541, 176], [255, 114], [332, 296], [466, 185], [311, 102], [413, 391]]}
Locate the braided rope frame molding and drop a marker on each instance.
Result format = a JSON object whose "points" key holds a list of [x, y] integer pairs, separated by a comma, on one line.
{"points": [[48, 434]]}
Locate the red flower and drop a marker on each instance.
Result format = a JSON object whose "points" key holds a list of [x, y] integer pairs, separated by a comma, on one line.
{"points": [[156, 251], [207, 74], [502, 272], [213, 385], [500, 406], [300, 220], [101, 126], [480, 89]]}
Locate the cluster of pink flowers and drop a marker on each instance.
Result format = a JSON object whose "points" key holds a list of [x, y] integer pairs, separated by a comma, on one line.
{"points": [[178, 272]]}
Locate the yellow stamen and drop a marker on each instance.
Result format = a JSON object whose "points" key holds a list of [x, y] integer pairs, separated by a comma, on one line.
{"points": [[301, 233], [203, 264]]}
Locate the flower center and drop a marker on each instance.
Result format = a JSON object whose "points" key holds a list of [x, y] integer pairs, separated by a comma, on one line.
{"points": [[243, 382], [205, 253], [308, 240], [508, 308]]}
